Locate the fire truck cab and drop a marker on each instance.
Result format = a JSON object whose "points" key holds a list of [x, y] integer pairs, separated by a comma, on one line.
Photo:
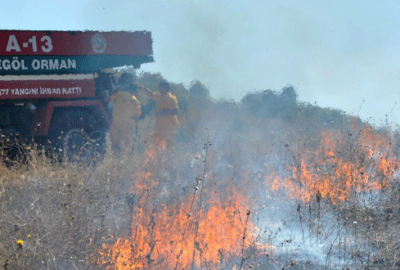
{"points": [[51, 85]]}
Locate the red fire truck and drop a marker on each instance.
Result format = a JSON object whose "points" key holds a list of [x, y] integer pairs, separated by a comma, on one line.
{"points": [[51, 85]]}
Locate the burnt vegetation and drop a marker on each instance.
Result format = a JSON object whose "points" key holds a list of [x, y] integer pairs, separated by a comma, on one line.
{"points": [[269, 182]]}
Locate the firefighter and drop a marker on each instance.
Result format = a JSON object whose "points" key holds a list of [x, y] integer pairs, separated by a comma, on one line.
{"points": [[126, 113], [166, 115]]}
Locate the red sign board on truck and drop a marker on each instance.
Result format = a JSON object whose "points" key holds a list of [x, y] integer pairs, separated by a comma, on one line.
{"points": [[47, 86], [62, 52]]}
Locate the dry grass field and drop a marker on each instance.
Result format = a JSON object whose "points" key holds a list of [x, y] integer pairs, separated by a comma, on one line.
{"points": [[240, 192]]}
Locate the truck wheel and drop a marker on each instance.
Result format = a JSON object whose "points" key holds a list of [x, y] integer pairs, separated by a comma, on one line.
{"points": [[74, 136]]}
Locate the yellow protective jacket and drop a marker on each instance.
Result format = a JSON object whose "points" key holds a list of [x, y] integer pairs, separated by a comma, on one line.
{"points": [[166, 125], [126, 107]]}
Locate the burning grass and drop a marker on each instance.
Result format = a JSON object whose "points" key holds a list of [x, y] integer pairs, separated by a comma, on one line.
{"points": [[341, 167], [328, 182], [236, 202], [196, 230]]}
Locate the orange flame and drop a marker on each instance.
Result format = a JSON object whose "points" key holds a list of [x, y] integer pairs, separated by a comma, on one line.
{"points": [[174, 237], [338, 168]]}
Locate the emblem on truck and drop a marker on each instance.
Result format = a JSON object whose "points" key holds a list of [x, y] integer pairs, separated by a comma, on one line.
{"points": [[99, 43]]}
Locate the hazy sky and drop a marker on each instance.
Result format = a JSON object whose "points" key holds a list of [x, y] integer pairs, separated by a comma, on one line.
{"points": [[335, 53]]}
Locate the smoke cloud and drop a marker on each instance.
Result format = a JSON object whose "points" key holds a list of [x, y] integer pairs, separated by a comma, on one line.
{"points": [[334, 55]]}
